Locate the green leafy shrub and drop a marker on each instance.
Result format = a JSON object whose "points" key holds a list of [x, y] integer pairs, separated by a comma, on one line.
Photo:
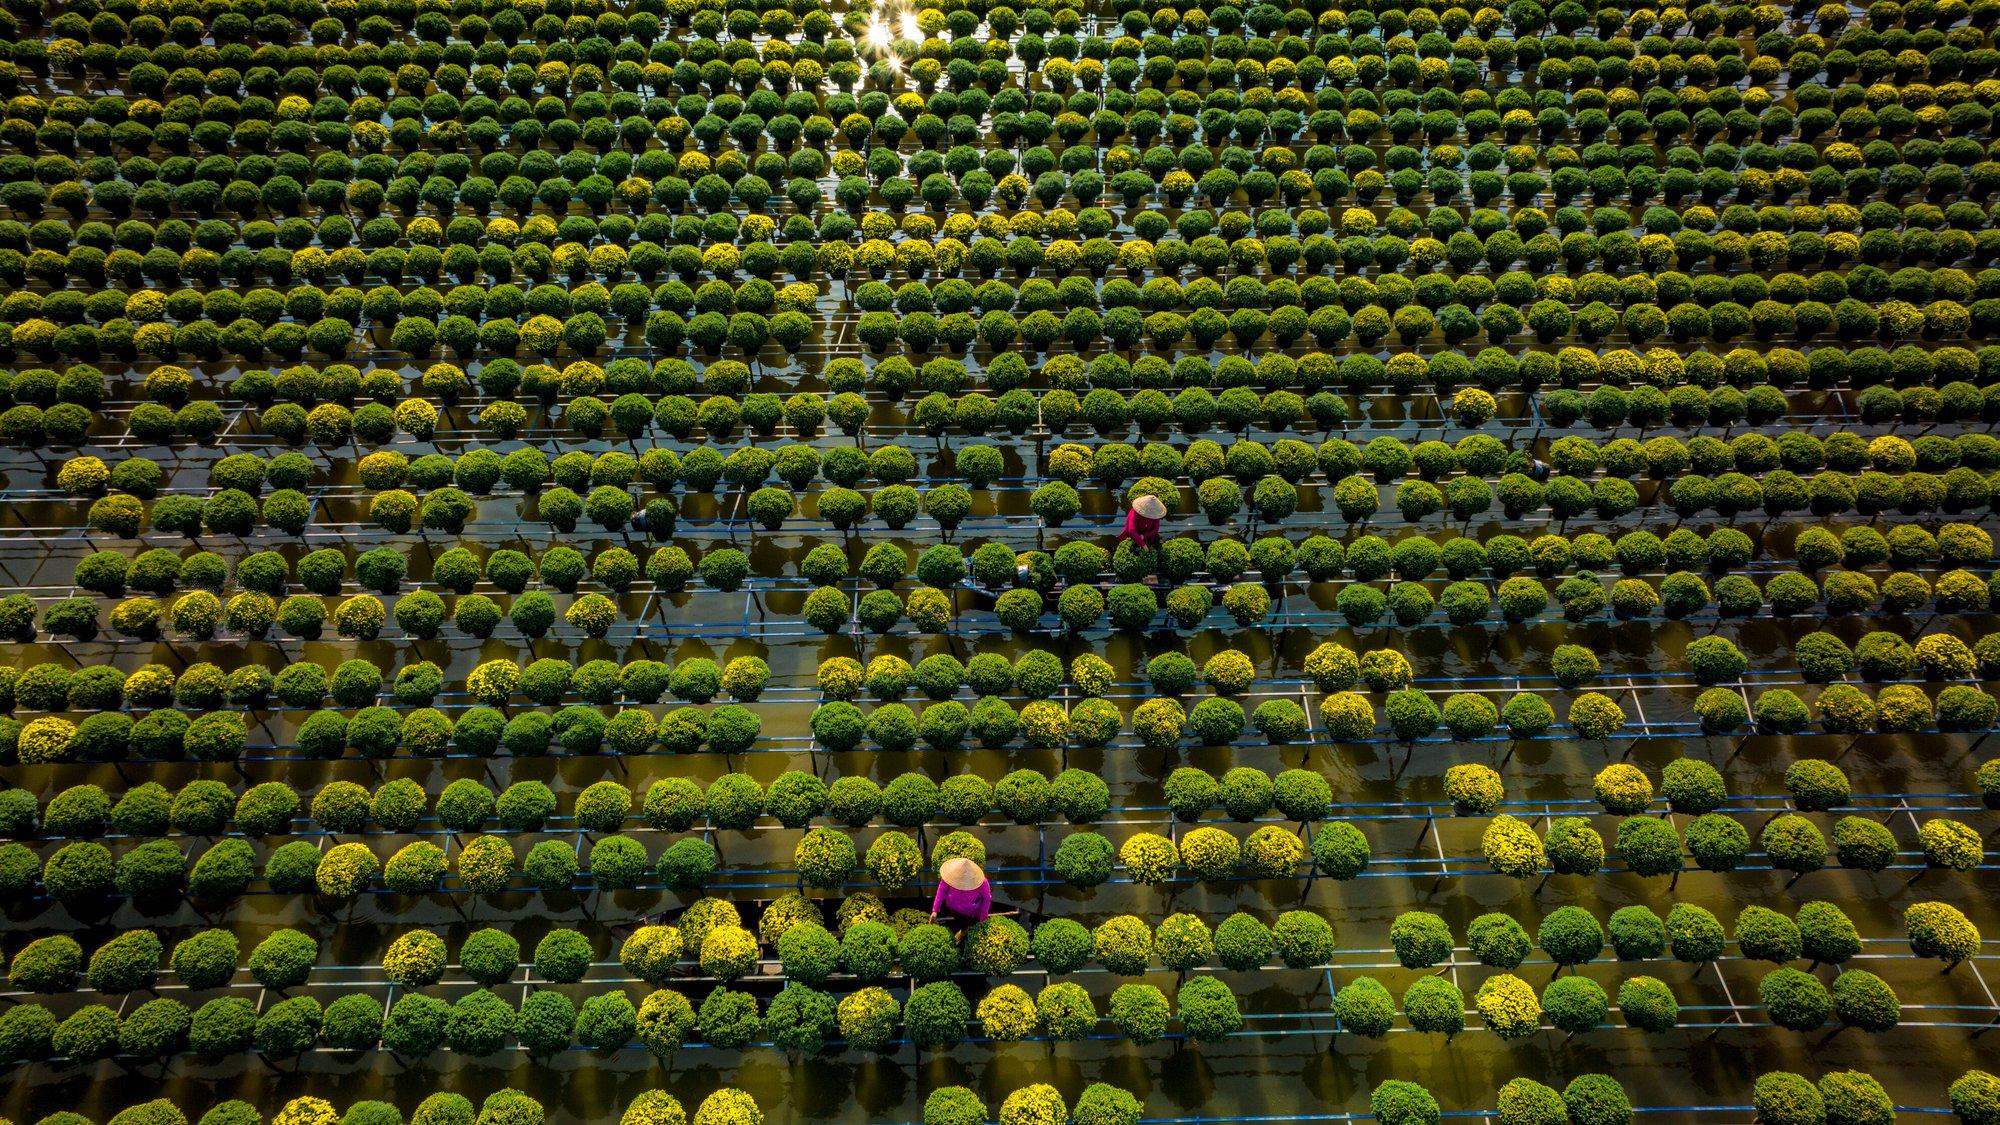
{"points": [[1940, 931], [1208, 1009], [1794, 999], [1524, 1101], [1397, 1102], [1597, 1099], [936, 1015], [1420, 939], [1340, 849], [1575, 1004], [1975, 1097], [1365, 1008], [954, 1105], [1434, 1004], [1648, 1004], [1854, 1098], [1862, 999], [1863, 844], [1794, 844]]}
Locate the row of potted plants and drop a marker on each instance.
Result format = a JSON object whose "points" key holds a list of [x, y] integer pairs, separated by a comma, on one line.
{"points": [[797, 799]]}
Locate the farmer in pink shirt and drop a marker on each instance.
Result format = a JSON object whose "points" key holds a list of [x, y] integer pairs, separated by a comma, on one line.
{"points": [[964, 896], [1142, 522]]}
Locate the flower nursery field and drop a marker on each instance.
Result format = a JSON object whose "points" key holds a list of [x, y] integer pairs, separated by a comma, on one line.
{"points": [[533, 528]]}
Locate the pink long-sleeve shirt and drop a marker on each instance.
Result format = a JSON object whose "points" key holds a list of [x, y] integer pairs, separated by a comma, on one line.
{"points": [[974, 904], [1143, 531]]}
